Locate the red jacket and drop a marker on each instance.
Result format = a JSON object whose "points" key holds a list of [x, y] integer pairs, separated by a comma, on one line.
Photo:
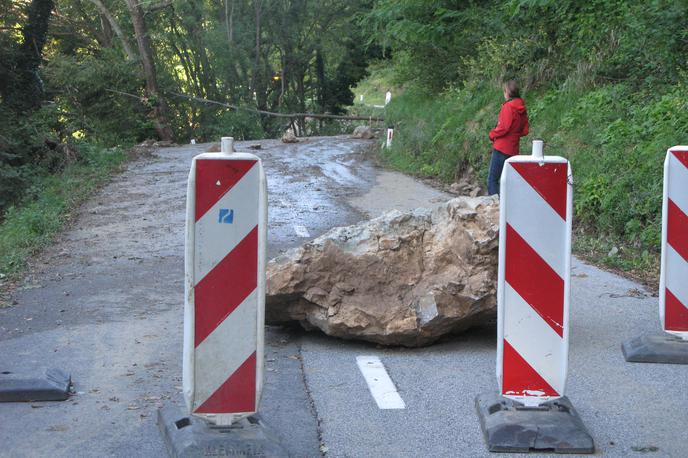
{"points": [[511, 126]]}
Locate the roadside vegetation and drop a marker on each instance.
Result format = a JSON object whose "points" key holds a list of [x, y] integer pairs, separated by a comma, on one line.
{"points": [[82, 80], [48, 204], [605, 83]]}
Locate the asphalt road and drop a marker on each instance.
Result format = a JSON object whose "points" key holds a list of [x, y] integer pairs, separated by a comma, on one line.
{"points": [[105, 303]]}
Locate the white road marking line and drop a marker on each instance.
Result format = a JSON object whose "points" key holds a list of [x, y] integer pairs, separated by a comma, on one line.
{"points": [[381, 386], [301, 231]]}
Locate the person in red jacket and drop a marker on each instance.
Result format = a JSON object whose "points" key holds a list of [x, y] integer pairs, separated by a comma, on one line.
{"points": [[512, 124]]}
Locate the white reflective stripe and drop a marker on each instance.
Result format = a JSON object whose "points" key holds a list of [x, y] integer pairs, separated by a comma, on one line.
{"points": [[678, 183], [380, 385], [225, 349], [534, 339], [214, 239], [676, 275], [536, 221]]}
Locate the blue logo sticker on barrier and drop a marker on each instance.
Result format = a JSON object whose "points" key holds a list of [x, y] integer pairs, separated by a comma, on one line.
{"points": [[226, 216]]}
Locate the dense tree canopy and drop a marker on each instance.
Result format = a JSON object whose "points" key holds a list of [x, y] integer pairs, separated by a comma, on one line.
{"points": [[542, 41], [114, 71]]}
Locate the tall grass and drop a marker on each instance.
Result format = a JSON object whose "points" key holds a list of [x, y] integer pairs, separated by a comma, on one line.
{"points": [[614, 136]]}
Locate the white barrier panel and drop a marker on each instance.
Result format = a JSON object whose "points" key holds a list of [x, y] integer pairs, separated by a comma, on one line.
{"points": [[224, 313], [533, 282], [390, 137], [673, 284]]}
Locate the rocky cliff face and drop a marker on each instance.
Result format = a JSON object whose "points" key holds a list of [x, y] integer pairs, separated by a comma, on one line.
{"points": [[400, 279]]}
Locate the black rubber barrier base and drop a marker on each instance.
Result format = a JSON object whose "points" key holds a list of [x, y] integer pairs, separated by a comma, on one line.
{"points": [[554, 426], [55, 385], [663, 348], [189, 436]]}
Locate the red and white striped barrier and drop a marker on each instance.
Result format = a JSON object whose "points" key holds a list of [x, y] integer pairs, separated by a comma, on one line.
{"points": [[224, 312], [673, 283], [533, 283]]}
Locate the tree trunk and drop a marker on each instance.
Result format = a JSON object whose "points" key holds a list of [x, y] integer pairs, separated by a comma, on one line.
{"points": [[229, 20], [256, 61], [195, 33], [24, 92], [184, 57], [320, 77], [162, 125], [105, 37], [128, 50]]}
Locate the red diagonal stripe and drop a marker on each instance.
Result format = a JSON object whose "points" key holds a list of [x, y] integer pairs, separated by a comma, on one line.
{"points": [[534, 280], [224, 288], [677, 229], [675, 313], [548, 180], [210, 172], [518, 376], [682, 156], [237, 394]]}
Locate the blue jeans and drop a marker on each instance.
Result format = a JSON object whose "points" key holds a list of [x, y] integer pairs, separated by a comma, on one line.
{"points": [[495, 173]]}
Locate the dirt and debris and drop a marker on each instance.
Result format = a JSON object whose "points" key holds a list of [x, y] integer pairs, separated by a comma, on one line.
{"points": [[405, 278]]}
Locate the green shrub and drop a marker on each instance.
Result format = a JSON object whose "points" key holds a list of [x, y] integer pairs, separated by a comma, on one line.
{"points": [[605, 86], [615, 138], [97, 98]]}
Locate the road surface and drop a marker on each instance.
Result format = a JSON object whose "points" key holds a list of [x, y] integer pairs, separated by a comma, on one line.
{"points": [[106, 304]]}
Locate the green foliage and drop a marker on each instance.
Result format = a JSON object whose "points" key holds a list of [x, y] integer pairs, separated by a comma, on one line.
{"points": [[541, 41], [436, 136], [381, 79], [622, 177], [21, 87], [429, 39], [22, 150], [616, 141], [336, 91], [97, 98], [605, 84]]}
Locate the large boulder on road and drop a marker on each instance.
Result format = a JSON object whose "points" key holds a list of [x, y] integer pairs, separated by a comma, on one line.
{"points": [[405, 278], [364, 132]]}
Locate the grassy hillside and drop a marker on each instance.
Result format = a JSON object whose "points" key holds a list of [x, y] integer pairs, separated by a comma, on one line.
{"points": [[615, 137], [605, 82]]}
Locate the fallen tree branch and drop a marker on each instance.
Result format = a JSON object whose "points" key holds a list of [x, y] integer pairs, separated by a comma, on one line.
{"points": [[263, 112], [134, 96], [281, 115]]}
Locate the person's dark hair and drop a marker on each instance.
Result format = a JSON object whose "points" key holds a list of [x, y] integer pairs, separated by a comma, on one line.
{"points": [[512, 89]]}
